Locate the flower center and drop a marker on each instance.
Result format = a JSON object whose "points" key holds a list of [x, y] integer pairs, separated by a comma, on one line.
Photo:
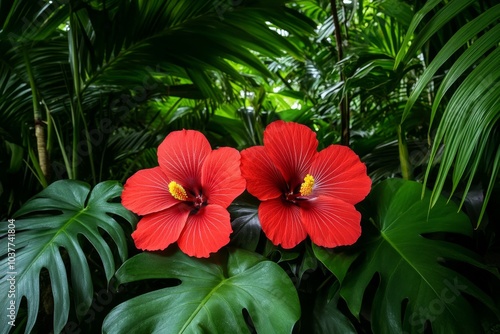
{"points": [[194, 199], [199, 201], [306, 187], [177, 191], [296, 194]]}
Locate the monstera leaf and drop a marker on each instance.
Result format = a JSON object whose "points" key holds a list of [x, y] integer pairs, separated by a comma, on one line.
{"points": [[403, 252], [35, 238], [224, 294]]}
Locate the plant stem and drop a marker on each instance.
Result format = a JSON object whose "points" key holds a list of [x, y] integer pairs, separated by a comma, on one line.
{"points": [[404, 158], [75, 120], [78, 113], [344, 102], [41, 143]]}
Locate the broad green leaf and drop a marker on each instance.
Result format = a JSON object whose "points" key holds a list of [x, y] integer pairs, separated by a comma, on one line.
{"points": [[54, 220], [211, 297], [404, 251]]}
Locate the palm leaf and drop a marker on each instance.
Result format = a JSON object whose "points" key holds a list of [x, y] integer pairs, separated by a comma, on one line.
{"points": [[469, 128], [477, 50], [180, 31], [51, 221], [468, 125], [89, 54], [444, 15]]}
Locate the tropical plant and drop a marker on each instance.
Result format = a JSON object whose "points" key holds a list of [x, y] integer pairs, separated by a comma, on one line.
{"points": [[86, 76], [48, 231], [90, 89]]}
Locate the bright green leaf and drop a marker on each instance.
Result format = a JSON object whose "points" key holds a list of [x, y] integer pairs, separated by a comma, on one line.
{"points": [[211, 297]]}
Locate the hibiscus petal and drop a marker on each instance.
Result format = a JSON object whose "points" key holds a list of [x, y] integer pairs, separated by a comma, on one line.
{"points": [[264, 180], [292, 148], [338, 172], [206, 231], [331, 222], [146, 192], [221, 178], [281, 222], [158, 230], [181, 156]]}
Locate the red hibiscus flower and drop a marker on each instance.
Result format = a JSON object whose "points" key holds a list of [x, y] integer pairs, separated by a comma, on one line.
{"points": [[185, 198], [304, 192]]}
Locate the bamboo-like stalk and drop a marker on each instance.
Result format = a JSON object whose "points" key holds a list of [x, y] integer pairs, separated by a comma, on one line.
{"points": [[41, 143], [344, 102]]}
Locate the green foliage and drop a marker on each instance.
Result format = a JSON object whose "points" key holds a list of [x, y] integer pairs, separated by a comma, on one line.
{"points": [[421, 274], [86, 69], [470, 120], [110, 79], [48, 236], [327, 316], [237, 292]]}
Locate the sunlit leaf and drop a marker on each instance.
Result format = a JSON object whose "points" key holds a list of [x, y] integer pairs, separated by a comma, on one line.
{"points": [[224, 294]]}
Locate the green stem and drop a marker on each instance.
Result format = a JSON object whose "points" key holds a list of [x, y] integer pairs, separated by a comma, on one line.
{"points": [[50, 132], [404, 158], [78, 114], [75, 121], [63, 152]]}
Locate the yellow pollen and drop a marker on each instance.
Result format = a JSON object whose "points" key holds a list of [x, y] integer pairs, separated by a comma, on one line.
{"points": [[306, 188], [177, 191]]}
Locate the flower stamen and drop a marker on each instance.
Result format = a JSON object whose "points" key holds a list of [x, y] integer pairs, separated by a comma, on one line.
{"points": [[306, 187], [177, 191]]}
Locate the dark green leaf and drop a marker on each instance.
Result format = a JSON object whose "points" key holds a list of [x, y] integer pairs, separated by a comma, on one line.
{"points": [[245, 222], [403, 248], [327, 316], [51, 221]]}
